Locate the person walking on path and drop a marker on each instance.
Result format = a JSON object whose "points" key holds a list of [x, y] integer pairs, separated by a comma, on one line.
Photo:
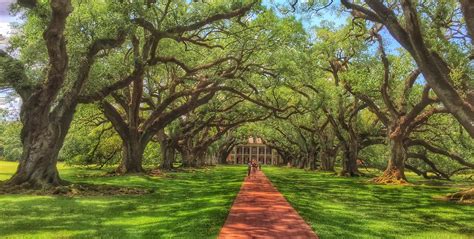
{"points": [[254, 166]]}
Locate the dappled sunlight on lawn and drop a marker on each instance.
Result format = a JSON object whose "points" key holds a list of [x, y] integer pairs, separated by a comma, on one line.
{"points": [[184, 205], [338, 207]]}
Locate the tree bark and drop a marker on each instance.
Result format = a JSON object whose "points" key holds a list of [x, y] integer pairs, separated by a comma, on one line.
{"points": [[224, 152], [301, 162], [44, 129], [312, 161], [37, 168], [186, 158], [467, 7], [222, 157], [327, 160], [132, 157], [395, 172], [167, 155], [199, 159], [349, 163]]}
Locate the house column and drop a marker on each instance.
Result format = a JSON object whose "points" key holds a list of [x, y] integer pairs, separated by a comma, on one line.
{"points": [[250, 153], [258, 154], [265, 155]]}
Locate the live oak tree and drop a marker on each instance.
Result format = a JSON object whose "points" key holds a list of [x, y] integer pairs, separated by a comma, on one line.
{"points": [[400, 117], [187, 84], [192, 80], [336, 48], [430, 32], [329, 57], [53, 79]]}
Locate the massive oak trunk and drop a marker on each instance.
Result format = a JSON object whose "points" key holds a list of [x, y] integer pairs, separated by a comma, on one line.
{"points": [[167, 155], [467, 7], [45, 124], [132, 157], [349, 163], [326, 154], [327, 160], [224, 151], [187, 158], [312, 161], [301, 162], [199, 159], [395, 172], [222, 157], [37, 166]]}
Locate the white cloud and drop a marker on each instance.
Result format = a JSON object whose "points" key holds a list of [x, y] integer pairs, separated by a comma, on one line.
{"points": [[5, 28]]}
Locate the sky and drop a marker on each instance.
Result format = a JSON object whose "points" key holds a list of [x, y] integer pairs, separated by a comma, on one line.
{"points": [[5, 18], [6, 101]]}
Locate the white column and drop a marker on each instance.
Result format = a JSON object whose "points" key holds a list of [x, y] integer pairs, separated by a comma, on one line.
{"points": [[265, 155], [250, 153], [258, 154]]}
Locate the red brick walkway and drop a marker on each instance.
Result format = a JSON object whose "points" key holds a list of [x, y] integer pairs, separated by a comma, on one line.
{"points": [[260, 211]]}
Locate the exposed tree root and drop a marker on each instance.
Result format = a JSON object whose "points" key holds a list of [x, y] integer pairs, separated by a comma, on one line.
{"points": [[465, 196], [73, 190], [390, 177], [384, 180], [157, 172], [35, 183]]}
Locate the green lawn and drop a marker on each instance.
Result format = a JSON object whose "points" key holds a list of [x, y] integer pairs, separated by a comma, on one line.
{"points": [[184, 205], [195, 205], [338, 207]]}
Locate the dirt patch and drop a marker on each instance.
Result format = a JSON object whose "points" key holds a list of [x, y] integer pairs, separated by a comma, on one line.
{"points": [[73, 190]]}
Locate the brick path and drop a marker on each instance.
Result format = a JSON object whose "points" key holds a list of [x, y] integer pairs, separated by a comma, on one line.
{"points": [[260, 211]]}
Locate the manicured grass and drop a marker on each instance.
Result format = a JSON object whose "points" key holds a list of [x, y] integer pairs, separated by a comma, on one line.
{"points": [[184, 205], [338, 207]]}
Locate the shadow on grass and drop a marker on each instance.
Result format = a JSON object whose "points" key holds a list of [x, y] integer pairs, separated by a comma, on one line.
{"points": [[338, 207], [188, 205]]}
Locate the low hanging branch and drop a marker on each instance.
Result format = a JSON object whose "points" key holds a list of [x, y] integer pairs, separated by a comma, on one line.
{"points": [[425, 159], [437, 150]]}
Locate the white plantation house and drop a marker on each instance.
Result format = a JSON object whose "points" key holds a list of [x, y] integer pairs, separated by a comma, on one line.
{"points": [[254, 149]]}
